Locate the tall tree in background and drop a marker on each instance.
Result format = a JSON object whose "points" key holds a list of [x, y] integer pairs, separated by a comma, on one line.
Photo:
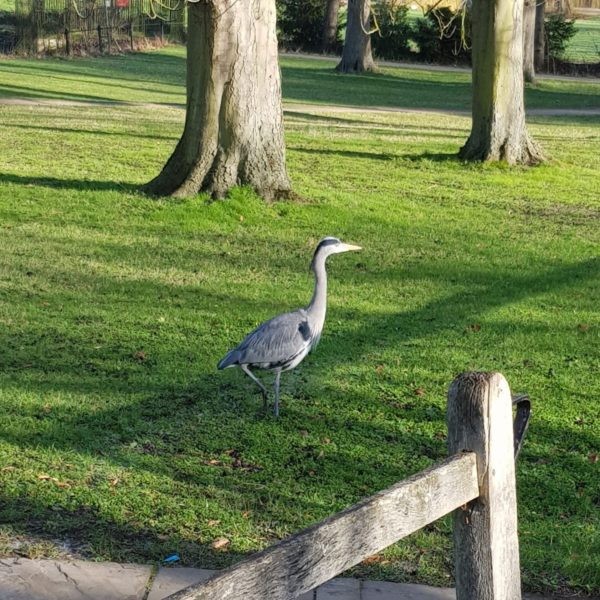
{"points": [[528, 40], [233, 131], [330, 25], [498, 130], [539, 50], [357, 56]]}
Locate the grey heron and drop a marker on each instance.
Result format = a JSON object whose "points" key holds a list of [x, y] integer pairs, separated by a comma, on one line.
{"points": [[281, 343]]}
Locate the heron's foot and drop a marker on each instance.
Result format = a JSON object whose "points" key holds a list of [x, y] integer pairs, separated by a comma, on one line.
{"points": [[263, 411]]}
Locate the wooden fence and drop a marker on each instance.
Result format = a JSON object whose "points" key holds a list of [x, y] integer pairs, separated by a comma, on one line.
{"points": [[477, 482]]}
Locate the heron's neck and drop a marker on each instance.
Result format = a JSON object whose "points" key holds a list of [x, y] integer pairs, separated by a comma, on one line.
{"points": [[318, 303]]}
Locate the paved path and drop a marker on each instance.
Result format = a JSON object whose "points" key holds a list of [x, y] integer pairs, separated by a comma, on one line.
{"points": [[299, 107], [431, 67], [25, 579]]}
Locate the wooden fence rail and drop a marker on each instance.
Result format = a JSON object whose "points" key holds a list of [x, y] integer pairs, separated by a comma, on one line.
{"points": [[477, 482]]}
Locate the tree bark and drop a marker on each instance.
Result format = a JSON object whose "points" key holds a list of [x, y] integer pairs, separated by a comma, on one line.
{"points": [[357, 56], [330, 25], [233, 133], [498, 131], [528, 40], [540, 35]]}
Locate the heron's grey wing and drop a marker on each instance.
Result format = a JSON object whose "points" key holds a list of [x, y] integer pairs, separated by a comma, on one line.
{"points": [[277, 341]]}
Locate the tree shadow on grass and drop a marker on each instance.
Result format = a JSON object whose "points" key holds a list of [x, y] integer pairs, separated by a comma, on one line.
{"points": [[345, 153], [103, 132], [140, 416], [322, 85], [89, 534], [141, 68], [372, 124], [489, 289], [439, 157], [69, 184]]}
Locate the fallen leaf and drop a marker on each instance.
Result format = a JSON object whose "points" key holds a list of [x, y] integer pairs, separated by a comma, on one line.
{"points": [[376, 559], [593, 457], [583, 327], [44, 477], [326, 441], [140, 356], [246, 514], [220, 543], [420, 392], [303, 433], [113, 481], [379, 369], [474, 327], [213, 522], [7, 469]]}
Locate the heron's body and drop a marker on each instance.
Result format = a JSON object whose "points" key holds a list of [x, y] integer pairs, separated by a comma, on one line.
{"points": [[281, 343]]}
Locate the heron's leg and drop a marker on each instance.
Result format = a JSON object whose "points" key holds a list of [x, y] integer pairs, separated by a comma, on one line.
{"points": [[276, 384], [258, 382]]}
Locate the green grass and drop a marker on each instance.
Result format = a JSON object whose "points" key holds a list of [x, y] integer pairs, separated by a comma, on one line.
{"points": [[585, 45], [159, 78], [117, 432]]}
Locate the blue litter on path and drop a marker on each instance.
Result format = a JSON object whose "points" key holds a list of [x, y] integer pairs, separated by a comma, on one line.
{"points": [[172, 558]]}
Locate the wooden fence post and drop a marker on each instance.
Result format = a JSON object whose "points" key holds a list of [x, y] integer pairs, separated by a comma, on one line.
{"points": [[485, 530]]}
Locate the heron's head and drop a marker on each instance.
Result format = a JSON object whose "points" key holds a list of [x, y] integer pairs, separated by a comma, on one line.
{"points": [[331, 245]]}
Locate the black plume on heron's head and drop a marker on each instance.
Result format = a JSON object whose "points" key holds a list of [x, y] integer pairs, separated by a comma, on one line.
{"points": [[324, 246]]}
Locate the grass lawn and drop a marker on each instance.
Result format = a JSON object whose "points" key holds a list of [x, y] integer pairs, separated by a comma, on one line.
{"points": [[158, 78], [118, 437], [585, 45]]}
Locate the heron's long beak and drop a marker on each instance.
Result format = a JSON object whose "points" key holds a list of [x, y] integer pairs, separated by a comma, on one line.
{"points": [[348, 247]]}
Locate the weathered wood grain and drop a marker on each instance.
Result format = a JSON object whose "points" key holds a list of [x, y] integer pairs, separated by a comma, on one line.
{"points": [[315, 555], [485, 531]]}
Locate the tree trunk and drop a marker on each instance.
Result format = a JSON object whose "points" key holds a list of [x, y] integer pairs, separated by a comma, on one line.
{"points": [[540, 35], [498, 129], [357, 56], [528, 40], [233, 132], [330, 25]]}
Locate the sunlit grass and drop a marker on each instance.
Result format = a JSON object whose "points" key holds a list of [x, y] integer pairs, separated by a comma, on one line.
{"points": [[585, 44], [119, 435]]}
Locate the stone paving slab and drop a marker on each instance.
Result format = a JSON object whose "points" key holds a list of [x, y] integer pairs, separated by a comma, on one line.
{"points": [[340, 589], [24, 579], [385, 590], [172, 579]]}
